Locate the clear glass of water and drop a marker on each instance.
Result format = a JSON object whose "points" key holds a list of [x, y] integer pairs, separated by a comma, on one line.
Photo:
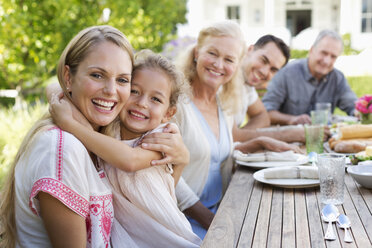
{"points": [[331, 168], [325, 106], [319, 117]]}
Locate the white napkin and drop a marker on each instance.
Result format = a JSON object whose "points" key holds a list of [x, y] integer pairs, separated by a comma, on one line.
{"points": [[293, 172], [266, 156]]}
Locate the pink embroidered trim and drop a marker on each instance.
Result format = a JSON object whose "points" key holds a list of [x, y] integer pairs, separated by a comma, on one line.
{"points": [[57, 189], [101, 198], [101, 206], [59, 158]]}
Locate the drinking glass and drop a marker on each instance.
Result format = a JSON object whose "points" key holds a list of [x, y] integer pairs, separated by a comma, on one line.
{"points": [[314, 135], [327, 106], [319, 117], [331, 169]]}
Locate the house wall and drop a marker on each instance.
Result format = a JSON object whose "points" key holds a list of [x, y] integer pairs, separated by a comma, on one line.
{"points": [[359, 40], [258, 17]]}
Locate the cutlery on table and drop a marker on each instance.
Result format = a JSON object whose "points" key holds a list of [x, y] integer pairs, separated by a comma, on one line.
{"points": [[344, 222], [329, 214]]}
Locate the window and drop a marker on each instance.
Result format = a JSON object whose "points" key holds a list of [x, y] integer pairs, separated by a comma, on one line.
{"points": [[233, 13], [367, 16]]}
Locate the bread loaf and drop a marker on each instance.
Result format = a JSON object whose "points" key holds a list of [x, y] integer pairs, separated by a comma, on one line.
{"points": [[349, 146], [355, 131]]}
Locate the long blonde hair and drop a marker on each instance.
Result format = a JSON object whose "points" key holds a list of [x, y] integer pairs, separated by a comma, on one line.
{"points": [[74, 53], [230, 90]]}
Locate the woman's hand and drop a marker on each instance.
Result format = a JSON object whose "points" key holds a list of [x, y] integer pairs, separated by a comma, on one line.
{"points": [[266, 143], [170, 143], [279, 146]]}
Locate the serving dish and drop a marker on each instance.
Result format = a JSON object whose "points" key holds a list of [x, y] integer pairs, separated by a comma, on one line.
{"points": [[362, 174]]}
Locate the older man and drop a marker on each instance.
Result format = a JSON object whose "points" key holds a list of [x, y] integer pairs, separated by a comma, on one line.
{"points": [[295, 90]]}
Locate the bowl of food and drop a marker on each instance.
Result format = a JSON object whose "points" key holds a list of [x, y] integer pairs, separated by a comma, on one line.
{"points": [[362, 174]]}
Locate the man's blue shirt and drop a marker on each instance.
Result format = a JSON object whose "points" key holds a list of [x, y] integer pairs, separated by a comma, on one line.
{"points": [[293, 90]]}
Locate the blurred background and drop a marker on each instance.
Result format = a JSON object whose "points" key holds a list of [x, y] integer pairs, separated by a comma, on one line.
{"points": [[34, 33]]}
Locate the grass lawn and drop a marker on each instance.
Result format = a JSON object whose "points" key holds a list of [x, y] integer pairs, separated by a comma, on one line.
{"points": [[361, 86]]}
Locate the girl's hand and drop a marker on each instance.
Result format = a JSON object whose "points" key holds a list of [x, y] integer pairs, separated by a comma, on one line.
{"points": [[61, 111], [170, 143], [64, 113]]}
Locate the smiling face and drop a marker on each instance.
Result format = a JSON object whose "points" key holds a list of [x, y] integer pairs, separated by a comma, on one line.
{"points": [[148, 103], [323, 56], [260, 65], [217, 60], [101, 85]]}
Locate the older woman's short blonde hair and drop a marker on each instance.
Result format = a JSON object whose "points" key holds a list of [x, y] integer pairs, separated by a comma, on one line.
{"points": [[229, 94]]}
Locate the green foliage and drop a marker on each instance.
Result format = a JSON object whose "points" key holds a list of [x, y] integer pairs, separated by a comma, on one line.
{"points": [[360, 85], [34, 33], [348, 50], [13, 127], [298, 54]]}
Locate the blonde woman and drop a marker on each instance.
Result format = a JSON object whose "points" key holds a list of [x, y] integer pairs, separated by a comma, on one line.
{"points": [[56, 194], [212, 67], [144, 200]]}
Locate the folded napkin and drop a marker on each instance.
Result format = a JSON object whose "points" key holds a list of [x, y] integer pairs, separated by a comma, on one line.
{"points": [[266, 156], [293, 172]]}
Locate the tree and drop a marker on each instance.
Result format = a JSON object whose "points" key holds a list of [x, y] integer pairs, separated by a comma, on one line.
{"points": [[34, 33]]}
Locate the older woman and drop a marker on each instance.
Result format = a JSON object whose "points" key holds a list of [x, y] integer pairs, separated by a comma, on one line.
{"points": [[206, 121], [56, 194]]}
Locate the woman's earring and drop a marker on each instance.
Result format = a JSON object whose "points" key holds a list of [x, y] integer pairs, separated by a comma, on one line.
{"points": [[68, 91], [195, 60]]}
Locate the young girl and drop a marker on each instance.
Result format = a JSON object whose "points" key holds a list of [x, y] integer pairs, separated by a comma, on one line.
{"points": [[144, 201]]}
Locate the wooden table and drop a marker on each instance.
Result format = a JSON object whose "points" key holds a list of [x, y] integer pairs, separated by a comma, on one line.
{"points": [[253, 214]]}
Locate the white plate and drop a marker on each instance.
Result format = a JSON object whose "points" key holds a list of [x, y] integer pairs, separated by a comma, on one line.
{"points": [[285, 183], [302, 159]]}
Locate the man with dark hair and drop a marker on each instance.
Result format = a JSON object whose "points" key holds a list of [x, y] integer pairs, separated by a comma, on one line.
{"points": [[259, 65], [295, 90], [261, 62]]}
